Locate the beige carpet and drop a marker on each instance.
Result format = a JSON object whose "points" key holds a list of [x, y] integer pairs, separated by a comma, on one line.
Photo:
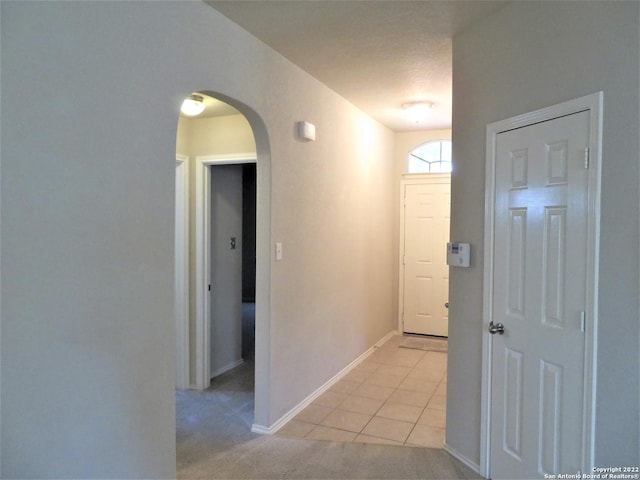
{"points": [[214, 441], [272, 457], [429, 344]]}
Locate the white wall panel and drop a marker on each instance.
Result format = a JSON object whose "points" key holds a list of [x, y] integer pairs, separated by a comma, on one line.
{"points": [[87, 228]]}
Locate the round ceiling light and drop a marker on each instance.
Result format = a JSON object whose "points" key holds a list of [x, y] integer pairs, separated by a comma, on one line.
{"points": [[417, 111], [193, 105]]}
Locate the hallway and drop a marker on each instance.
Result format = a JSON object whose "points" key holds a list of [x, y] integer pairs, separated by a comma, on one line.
{"points": [[397, 396], [214, 438]]}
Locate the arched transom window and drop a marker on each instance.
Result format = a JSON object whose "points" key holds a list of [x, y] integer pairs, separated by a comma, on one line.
{"points": [[430, 157]]}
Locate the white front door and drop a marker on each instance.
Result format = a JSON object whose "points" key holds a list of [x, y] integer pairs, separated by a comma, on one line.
{"points": [[425, 274], [539, 297]]}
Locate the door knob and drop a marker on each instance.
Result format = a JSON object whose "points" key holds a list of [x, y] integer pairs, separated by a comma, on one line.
{"points": [[446, 305], [496, 328]]}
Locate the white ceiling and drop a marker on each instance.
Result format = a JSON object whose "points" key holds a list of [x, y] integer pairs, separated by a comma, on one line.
{"points": [[378, 54]]}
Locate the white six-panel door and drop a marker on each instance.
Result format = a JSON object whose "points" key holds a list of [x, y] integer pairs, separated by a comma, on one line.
{"points": [[539, 296], [425, 274]]}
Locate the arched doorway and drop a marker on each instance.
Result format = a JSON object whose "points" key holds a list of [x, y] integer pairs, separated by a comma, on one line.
{"points": [[199, 341]]}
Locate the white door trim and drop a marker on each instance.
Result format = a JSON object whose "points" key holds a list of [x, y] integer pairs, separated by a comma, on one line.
{"points": [[203, 255], [410, 179], [182, 272], [592, 103]]}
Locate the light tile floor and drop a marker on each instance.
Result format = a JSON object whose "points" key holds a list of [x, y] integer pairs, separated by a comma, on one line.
{"points": [[396, 396]]}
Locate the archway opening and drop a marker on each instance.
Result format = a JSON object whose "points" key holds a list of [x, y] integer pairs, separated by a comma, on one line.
{"points": [[232, 138]]}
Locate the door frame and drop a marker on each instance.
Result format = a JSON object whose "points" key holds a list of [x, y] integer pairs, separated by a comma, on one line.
{"points": [[182, 272], [409, 179], [203, 256], [593, 104]]}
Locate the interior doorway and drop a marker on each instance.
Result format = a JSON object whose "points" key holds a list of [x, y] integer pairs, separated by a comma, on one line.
{"points": [[218, 259], [248, 261], [232, 266], [200, 145], [541, 227]]}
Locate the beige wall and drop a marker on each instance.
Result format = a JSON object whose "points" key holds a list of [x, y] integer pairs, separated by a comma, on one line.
{"points": [[87, 218], [214, 136], [87, 228], [332, 293], [527, 56]]}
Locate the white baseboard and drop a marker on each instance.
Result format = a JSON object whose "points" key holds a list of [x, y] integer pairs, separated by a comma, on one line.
{"points": [[458, 456], [262, 430], [226, 368], [305, 403]]}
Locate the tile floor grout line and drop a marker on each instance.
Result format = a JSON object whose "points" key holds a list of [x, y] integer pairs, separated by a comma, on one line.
{"points": [[391, 399], [414, 426]]}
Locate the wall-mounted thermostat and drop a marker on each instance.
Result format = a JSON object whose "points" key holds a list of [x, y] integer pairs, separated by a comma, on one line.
{"points": [[458, 254]]}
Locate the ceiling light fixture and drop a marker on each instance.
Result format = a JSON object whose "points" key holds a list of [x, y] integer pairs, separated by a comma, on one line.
{"points": [[417, 111], [193, 105]]}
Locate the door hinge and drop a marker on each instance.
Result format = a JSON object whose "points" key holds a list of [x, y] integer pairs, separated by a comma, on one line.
{"points": [[586, 158], [209, 287], [583, 321]]}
